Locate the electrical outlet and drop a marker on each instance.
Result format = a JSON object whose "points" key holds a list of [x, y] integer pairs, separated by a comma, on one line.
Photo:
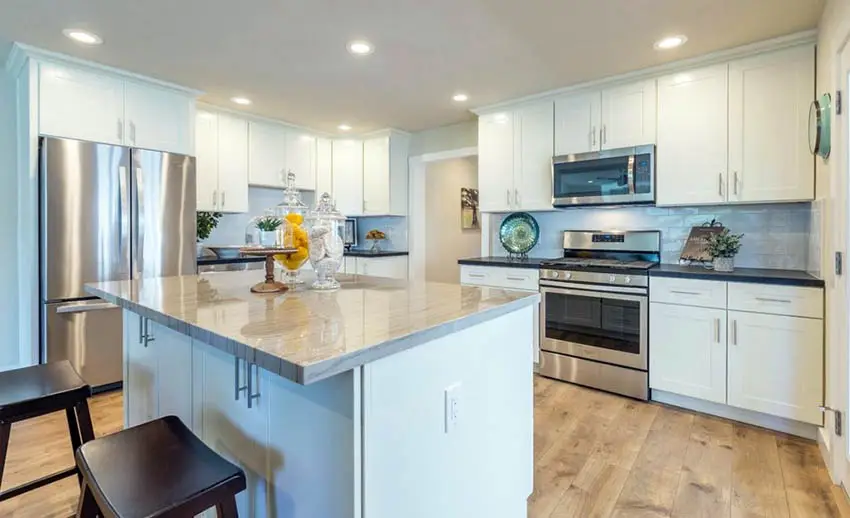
{"points": [[452, 407]]}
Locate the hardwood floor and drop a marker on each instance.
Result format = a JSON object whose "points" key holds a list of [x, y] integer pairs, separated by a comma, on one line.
{"points": [[596, 455]]}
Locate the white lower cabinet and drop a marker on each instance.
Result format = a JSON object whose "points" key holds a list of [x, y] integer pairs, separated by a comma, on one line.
{"points": [[141, 396], [688, 351], [394, 267], [776, 365]]}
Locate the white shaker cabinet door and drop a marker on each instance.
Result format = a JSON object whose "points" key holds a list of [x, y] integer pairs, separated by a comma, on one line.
{"points": [[535, 134], [769, 98], [266, 154], [80, 105], [629, 115], [301, 158], [206, 160], [232, 164], [158, 119], [324, 167], [776, 365], [687, 351], [577, 124], [496, 162], [140, 383], [376, 175], [347, 160], [691, 165], [174, 372]]}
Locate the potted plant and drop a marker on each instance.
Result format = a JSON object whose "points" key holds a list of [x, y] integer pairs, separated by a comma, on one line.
{"points": [[268, 225], [205, 223], [723, 247]]}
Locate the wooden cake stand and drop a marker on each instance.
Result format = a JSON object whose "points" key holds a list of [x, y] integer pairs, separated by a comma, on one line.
{"points": [[269, 285]]}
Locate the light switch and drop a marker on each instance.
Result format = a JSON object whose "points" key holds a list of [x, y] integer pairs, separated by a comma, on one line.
{"points": [[452, 407]]}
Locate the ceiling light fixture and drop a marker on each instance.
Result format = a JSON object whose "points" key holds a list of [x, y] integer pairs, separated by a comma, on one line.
{"points": [[344, 127], [670, 42], [460, 98], [84, 37], [241, 100], [360, 48]]}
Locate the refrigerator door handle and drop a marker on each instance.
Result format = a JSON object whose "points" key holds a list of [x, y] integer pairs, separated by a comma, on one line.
{"points": [[83, 307], [138, 253], [124, 215]]}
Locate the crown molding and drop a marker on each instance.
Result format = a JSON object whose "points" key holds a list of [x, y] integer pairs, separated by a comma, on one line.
{"points": [[714, 58], [22, 52]]}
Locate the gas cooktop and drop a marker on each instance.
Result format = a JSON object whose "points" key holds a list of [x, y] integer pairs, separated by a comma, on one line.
{"points": [[568, 263]]}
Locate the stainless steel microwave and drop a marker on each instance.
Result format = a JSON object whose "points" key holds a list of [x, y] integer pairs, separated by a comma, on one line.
{"points": [[612, 177]]}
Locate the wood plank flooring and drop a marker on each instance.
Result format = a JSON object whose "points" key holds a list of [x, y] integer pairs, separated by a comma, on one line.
{"points": [[596, 456]]}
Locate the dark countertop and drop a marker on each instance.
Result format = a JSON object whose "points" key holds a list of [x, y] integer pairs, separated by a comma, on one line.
{"points": [[756, 275], [212, 260], [354, 252], [530, 262]]}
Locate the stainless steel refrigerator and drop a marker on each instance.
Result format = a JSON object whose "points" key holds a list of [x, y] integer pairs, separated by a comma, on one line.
{"points": [[107, 213]]}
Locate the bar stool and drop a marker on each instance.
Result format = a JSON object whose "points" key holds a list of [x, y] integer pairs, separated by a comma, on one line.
{"points": [[158, 469], [35, 391]]}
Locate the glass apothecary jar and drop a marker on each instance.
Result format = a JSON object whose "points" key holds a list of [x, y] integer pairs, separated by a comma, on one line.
{"points": [[292, 233], [326, 245]]}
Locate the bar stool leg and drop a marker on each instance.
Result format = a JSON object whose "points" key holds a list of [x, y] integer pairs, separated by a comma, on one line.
{"points": [[84, 420], [87, 507], [74, 431], [227, 509], [5, 431]]}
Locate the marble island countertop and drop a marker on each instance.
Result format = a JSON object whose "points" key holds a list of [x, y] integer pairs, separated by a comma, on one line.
{"points": [[307, 335]]}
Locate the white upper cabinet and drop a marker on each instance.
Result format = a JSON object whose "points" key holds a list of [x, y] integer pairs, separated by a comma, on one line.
{"points": [[324, 166], [347, 165], [577, 123], [534, 147], [691, 165], [80, 105], [206, 160], [769, 97], [159, 119], [496, 161], [267, 154], [232, 164], [385, 174], [301, 158], [628, 115]]}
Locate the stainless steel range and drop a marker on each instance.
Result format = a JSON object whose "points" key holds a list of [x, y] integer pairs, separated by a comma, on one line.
{"points": [[594, 312]]}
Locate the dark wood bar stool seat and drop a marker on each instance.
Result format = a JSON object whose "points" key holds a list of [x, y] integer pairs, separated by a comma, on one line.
{"points": [[158, 469], [35, 391]]}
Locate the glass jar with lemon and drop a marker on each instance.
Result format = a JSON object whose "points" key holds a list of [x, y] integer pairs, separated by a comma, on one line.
{"points": [[292, 232]]}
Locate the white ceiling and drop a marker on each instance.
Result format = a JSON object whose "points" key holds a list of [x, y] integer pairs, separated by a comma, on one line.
{"points": [[290, 57]]}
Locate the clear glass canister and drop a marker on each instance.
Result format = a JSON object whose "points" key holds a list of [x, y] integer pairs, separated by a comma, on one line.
{"points": [[326, 245], [292, 233]]}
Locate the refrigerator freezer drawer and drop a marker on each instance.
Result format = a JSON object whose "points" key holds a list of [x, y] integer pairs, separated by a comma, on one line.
{"points": [[89, 334]]}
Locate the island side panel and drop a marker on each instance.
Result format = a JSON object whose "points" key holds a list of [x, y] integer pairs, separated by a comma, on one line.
{"points": [[416, 466]]}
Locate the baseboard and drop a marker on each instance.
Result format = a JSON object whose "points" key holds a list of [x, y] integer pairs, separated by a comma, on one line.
{"points": [[779, 424]]}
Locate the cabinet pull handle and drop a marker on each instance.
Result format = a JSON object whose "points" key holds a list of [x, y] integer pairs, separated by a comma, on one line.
{"points": [[133, 131], [149, 337], [223, 203], [717, 330], [516, 197], [766, 299], [508, 194], [720, 184], [141, 330], [519, 279], [735, 183], [120, 130], [734, 332], [685, 292], [214, 198], [593, 136], [251, 394], [477, 275], [238, 388], [604, 134]]}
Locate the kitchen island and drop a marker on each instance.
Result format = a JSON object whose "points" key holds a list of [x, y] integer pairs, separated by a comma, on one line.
{"points": [[382, 399]]}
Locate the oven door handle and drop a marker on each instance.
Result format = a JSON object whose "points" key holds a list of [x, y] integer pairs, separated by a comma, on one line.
{"points": [[637, 297]]}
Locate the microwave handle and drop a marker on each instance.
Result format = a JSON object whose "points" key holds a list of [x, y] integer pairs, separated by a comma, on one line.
{"points": [[631, 174]]}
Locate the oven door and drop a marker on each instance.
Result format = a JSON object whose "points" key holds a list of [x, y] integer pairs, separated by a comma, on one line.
{"points": [[603, 326], [617, 176]]}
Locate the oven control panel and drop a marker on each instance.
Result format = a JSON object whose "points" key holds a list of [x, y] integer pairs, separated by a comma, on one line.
{"points": [[616, 279]]}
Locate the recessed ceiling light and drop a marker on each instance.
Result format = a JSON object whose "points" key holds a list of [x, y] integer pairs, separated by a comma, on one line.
{"points": [[84, 37], [241, 100], [460, 98], [671, 42], [360, 48], [344, 127]]}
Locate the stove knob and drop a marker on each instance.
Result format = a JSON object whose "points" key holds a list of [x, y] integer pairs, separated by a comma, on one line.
{"points": [[567, 275], [627, 280], [555, 275], [612, 278]]}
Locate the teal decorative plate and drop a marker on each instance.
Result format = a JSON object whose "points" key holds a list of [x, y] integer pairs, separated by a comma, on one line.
{"points": [[519, 233]]}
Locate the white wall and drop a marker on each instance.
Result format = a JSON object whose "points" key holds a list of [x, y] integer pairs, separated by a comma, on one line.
{"points": [[444, 138], [445, 240], [9, 336]]}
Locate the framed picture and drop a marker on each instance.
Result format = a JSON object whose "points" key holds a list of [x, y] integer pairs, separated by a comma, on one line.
{"points": [[469, 209]]}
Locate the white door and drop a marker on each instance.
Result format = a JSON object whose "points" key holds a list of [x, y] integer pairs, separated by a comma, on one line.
{"points": [[347, 165], [301, 158], [141, 374], [769, 98], [535, 133], [496, 162], [206, 160], [687, 351], [266, 154], [80, 105], [174, 372], [578, 124], [776, 365], [232, 164], [232, 429], [629, 115], [691, 165], [376, 175], [158, 119], [324, 167]]}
